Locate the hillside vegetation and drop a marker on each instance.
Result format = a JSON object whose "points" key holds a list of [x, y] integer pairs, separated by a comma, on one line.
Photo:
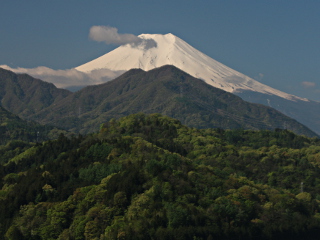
{"points": [[166, 90], [169, 91], [14, 128], [150, 177]]}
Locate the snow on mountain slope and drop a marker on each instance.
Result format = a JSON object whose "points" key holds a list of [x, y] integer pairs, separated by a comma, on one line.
{"points": [[172, 50]]}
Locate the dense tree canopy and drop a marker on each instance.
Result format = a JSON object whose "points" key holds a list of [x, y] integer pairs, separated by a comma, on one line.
{"points": [[150, 177]]}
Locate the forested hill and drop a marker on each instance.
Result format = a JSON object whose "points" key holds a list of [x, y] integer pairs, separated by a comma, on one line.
{"points": [[17, 135], [24, 95], [169, 91], [14, 128], [150, 177], [166, 90]]}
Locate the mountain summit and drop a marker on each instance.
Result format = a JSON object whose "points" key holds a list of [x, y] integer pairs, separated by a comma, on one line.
{"points": [[171, 50]]}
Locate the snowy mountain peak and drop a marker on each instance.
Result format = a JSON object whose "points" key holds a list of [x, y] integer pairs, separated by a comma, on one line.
{"points": [[169, 49]]}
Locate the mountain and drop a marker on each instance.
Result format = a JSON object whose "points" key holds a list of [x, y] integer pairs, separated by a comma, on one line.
{"points": [[24, 95], [165, 90], [171, 50], [169, 91]]}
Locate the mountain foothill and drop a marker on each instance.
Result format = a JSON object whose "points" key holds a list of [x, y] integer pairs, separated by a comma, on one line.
{"points": [[166, 90], [147, 176]]}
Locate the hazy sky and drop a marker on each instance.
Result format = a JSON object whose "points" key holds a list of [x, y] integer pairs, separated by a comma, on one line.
{"points": [[273, 41]]}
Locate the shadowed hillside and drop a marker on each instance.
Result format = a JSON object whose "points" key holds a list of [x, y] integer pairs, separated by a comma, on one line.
{"points": [[166, 90], [169, 91]]}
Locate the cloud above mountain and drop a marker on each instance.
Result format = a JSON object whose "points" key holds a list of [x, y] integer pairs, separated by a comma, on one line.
{"points": [[68, 78], [308, 84], [74, 79], [110, 35]]}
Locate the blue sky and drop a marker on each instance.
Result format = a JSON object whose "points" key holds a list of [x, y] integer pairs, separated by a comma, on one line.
{"points": [[275, 42]]}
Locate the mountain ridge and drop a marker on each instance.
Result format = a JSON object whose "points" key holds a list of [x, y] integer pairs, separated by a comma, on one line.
{"points": [[166, 90], [169, 91], [24, 95]]}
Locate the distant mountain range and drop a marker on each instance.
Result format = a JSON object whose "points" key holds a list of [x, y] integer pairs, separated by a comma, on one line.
{"points": [[166, 90], [171, 50]]}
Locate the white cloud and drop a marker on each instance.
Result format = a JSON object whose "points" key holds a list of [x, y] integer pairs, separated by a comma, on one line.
{"points": [[308, 84], [110, 35], [69, 77]]}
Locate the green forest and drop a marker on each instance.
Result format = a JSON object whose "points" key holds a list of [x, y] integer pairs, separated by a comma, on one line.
{"points": [[150, 177]]}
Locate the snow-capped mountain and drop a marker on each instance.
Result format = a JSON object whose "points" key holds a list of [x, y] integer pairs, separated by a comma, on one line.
{"points": [[171, 50]]}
